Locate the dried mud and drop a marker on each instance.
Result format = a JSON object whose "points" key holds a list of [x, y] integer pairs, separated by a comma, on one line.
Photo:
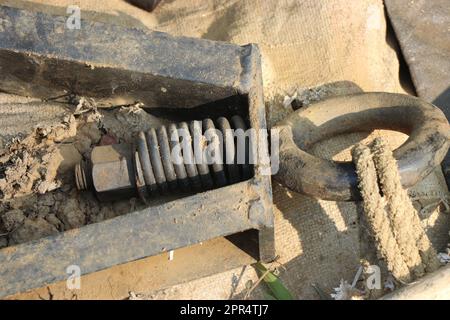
{"points": [[38, 196]]}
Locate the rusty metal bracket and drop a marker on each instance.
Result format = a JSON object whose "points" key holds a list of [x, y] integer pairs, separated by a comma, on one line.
{"points": [[115, 65], [425, 149]]}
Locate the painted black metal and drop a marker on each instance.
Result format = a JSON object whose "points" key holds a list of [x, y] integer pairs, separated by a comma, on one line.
{"points": [[40, 57]]}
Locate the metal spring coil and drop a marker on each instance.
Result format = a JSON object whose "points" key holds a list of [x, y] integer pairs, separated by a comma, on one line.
{"points": [[156, 173]]}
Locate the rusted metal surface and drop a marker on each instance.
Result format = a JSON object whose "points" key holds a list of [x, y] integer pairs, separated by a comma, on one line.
{"points": [[155, 272], [109, 172], [422, 29], [426, 125], [126, 238], [159, 162], [40, 58]]}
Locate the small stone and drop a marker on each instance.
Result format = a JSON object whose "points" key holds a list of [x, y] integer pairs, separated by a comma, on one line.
{"points": [[53, 220], [98, 217], [106, 212], [3, 242], [91, 131], [90, 204], [12, 219], [46, 200], [69, 157], [108, 139], [47, 186], [122, 207], [83, 144], [66, 188], [59, 197], [71, 215], [32, 229], [43, 211]]}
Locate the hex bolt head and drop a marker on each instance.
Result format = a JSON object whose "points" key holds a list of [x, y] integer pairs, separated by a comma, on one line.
{"points": [[109, 173]]}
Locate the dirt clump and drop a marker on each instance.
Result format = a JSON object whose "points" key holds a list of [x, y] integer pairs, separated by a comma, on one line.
{"points": [[31, 229], [71, 214], [30, 165], [12, 219]]}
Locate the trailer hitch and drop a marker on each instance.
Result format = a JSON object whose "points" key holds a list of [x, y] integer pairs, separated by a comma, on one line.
{"points": [[426, 147]]}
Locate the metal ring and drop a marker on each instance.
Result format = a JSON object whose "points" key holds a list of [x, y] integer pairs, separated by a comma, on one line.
{"points": [[426, 147]]}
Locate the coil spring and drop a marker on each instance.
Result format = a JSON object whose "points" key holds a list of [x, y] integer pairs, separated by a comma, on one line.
{"points": [[157, 173]]}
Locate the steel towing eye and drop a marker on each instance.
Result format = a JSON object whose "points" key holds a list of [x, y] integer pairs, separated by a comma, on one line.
{"points": [[426, 147]]}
